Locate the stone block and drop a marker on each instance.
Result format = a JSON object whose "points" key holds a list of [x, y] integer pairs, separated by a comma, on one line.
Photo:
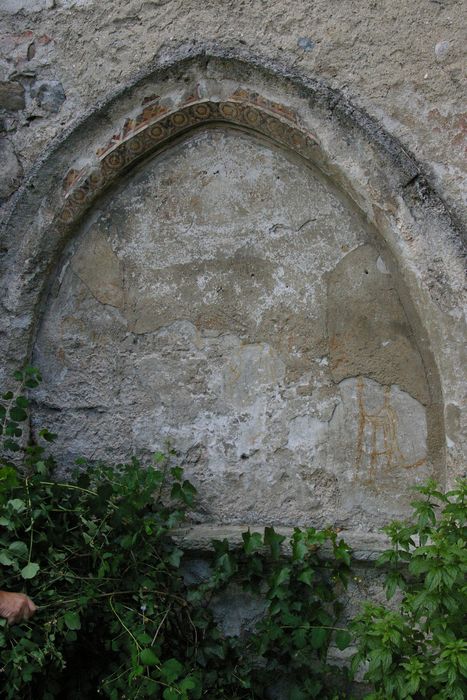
{"points": [[49, 95], [11, 96], [11, 170]]}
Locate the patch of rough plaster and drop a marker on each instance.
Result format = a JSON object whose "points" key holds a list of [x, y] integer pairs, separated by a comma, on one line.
{"points": [[379, 435], [307, 432], [370, 334], [11, 170], [237, 612], [99, 269], [250, 369]]}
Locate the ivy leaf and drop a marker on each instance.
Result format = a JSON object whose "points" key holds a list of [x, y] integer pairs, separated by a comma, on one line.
{"points": [[171, 694], [282, 576], [300, 638], [31, 383], [32, 371], [299, 549], [324, 617], [183, 492], [22, 401], [143, 637], [297, 694], [41, 468], [226, 564], [8, 478], [17, 504], [6, 522], [72, 620], [189, 492], [188, 683], [274, 540], [252, 542], [18, 414], [343, 639], [318, 637], [47, 435], [148, 658], [5, 559], [12, 429], [30, 570], [11, 445], [306, 576], [19, 548], [177, 473], [171, 670], [175, 557], [342, 552]]}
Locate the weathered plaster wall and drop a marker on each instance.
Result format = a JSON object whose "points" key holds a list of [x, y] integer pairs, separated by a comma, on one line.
{"points": [[401, 61]]}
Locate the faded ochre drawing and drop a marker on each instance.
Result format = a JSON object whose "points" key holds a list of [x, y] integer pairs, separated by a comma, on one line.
{"points": [[377, 447]]}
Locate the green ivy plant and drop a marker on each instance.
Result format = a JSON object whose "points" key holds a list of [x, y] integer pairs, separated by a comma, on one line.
{"points": [[418, 649], [301, 592], [117, 615]]}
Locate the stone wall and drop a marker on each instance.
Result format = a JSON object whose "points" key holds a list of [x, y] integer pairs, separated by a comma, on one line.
{"points": [[400, 61], [237, 226]]}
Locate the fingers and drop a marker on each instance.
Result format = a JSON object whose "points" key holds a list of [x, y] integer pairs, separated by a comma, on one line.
{"points": [[30, 609], [22, 612], [15, 607], [13, 618]]}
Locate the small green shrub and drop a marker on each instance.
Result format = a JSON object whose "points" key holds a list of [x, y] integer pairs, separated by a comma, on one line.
{"points": [[116, 617], [419, 650]]}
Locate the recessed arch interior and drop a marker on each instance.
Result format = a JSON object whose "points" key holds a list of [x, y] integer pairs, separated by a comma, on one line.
{"points": [[336, 445]]}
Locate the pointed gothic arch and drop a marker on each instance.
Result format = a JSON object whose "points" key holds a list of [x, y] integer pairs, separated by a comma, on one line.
{"points": [[204, 87]]}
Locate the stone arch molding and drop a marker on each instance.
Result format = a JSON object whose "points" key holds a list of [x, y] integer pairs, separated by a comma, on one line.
{"points": [[203, 86]]}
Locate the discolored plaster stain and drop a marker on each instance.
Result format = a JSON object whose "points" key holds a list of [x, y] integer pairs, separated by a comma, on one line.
{"points": [[99, 269], [380, 440], [370, 334], [377, 445]]}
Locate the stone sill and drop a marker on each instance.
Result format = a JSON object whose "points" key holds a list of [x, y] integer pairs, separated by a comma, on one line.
{"points": [[365, 546]]}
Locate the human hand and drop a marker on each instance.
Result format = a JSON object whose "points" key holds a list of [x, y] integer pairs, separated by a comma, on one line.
{"points": [[16, 607]]}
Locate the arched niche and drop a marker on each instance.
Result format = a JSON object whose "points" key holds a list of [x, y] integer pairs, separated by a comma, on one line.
{"points": [[356, 421], [226, 297]]}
